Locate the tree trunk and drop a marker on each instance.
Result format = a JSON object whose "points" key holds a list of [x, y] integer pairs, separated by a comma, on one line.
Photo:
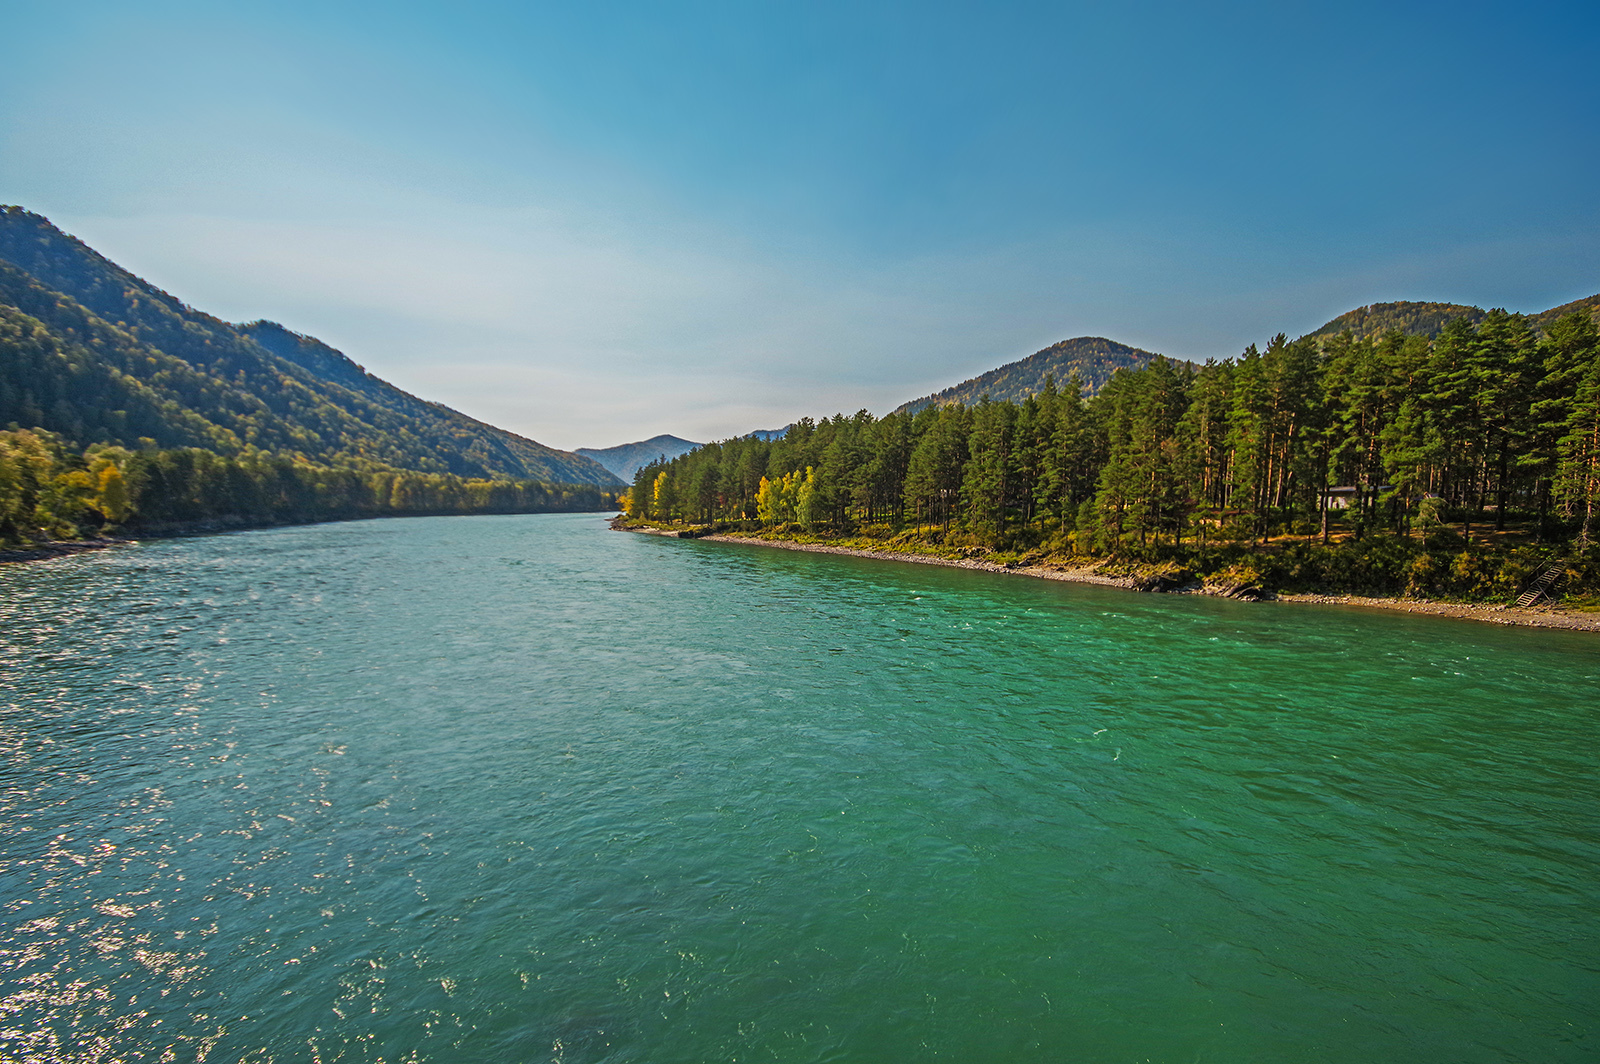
{"points": [[1500, 492]]}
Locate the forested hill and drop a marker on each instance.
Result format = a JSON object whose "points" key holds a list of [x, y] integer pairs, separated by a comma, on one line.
{"points": [[99, 356], [1429, 319], [1093, 358], [1467, 465], [1413, 319], [625, 459], [1542, 322]]}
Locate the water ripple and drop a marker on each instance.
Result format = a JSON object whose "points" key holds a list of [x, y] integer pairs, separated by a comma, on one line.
{"points": [[521, 788]]}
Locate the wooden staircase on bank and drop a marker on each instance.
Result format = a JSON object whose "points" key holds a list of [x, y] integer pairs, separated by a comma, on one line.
{"points": [[1541, 586]]}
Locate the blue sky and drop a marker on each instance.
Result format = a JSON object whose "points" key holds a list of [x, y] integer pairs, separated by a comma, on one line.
{"points": [[594, 222]]}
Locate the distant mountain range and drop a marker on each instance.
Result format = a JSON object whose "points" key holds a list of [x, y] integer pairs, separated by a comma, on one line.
{"points": [[1093, 358], [626, 459], [98, 355]]}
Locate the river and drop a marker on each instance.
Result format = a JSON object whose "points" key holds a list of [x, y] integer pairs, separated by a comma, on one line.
{"points": [[525, 789]]}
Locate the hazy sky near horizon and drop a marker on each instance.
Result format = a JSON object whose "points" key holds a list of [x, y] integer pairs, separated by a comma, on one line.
{"points": [[591, 223]]}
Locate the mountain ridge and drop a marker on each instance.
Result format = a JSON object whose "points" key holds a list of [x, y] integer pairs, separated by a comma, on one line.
{"points": [[1093, 358], [1416, 318], [83, 328]]}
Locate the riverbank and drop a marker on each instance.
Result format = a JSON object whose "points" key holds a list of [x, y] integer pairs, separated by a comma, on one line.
{"points": [[1534, 617], [39, 552], [1539, 617]]}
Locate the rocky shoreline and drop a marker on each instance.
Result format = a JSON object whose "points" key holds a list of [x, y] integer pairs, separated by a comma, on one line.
{"points": [[1507, 615], [1533, 617]]}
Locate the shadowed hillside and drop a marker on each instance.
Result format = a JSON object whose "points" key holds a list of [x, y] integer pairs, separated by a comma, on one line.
{"points": [[100, 356]]}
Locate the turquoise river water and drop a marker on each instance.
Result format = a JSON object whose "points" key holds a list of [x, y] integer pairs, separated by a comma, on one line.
{"points": [[525, 789]]}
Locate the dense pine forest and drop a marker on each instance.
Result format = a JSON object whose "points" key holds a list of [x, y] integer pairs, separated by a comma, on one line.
{"points": [[1461, 465], [121, 408]]}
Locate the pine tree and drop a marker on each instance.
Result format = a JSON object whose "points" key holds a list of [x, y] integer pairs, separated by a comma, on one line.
{"points": [[988, 476], [1576, 358]]}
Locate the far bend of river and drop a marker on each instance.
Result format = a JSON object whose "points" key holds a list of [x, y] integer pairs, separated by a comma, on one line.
{"points": [[525, 789]]}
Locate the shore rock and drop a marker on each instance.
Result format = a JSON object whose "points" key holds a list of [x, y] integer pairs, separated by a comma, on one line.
{"points": [[1165, 581], [1234, 589]]}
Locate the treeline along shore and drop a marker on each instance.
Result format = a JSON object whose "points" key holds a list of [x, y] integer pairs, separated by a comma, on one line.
{"points": [[125, 410], [1461, 467], [51, 490]]}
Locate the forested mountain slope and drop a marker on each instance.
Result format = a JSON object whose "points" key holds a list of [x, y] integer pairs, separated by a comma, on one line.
{"points": [[1413, 319], [1093, 358], [625, 459], [1543, 321], [101, 356], [1429, 319]]}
